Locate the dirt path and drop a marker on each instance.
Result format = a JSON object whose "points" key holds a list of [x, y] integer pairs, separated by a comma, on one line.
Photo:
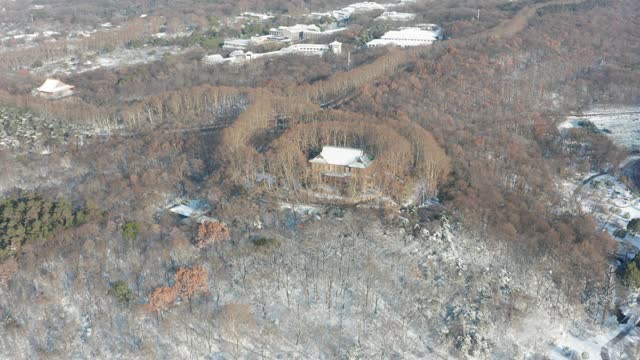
{"points": [[520, 21]]}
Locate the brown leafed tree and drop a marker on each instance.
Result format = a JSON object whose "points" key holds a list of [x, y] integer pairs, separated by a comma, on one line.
{"points": [[161, 299], [190, 281], [212, 232]]}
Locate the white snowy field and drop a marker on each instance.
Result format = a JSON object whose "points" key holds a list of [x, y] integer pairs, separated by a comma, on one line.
{"points": [[621, 123], [117, 58], [569, 345], [606, 196]]}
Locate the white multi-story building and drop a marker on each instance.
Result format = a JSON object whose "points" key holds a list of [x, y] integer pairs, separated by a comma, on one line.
{"points": [[236, 44], [295, 32], [315, 49], [406, 37]]}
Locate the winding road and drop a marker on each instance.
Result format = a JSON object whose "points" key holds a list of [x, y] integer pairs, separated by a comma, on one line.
{"points": [[634, 319]]}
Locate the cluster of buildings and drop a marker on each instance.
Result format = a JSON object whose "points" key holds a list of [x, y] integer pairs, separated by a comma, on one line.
{"points": [[282, 34], [240, 56], [419, 35], [346, 12], [303, 32]]}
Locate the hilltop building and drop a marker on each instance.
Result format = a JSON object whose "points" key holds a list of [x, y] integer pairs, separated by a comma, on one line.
{"points": [[357, 8], [54, 89], [340, 163]]}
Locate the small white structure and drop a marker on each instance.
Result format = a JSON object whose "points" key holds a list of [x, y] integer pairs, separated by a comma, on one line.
{"points": [[186, 211], [236, 44], [409, 36], [192, 211], [213, 59], [335, 47], [335, 163], [54, 89], [342, 156], [396, 16]]}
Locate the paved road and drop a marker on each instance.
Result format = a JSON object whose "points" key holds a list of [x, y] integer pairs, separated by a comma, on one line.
{"points": [[634, 319]]}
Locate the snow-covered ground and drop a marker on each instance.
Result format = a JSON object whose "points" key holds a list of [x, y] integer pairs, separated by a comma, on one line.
{"points": [[574, 346], [621, 123], [124, 57], [611, 201], [613, 204]]}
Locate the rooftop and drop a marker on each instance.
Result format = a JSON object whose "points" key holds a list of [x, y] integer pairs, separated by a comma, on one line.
{"points": [[342, 156], [54, 85], [397, 16]]}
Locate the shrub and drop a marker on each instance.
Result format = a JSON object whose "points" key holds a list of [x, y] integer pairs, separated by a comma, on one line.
{"points": [[634, 226], [266, 242], [631, 276], [620, 233], [130, 230], [122, 292]]}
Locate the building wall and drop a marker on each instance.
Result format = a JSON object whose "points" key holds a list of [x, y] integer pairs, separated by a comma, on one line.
{"points": [[56, 95], [318, 169]]}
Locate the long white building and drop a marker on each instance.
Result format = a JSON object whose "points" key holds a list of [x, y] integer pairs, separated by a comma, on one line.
{"points": [[409, 36], [239, 56], [315, 49]]}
